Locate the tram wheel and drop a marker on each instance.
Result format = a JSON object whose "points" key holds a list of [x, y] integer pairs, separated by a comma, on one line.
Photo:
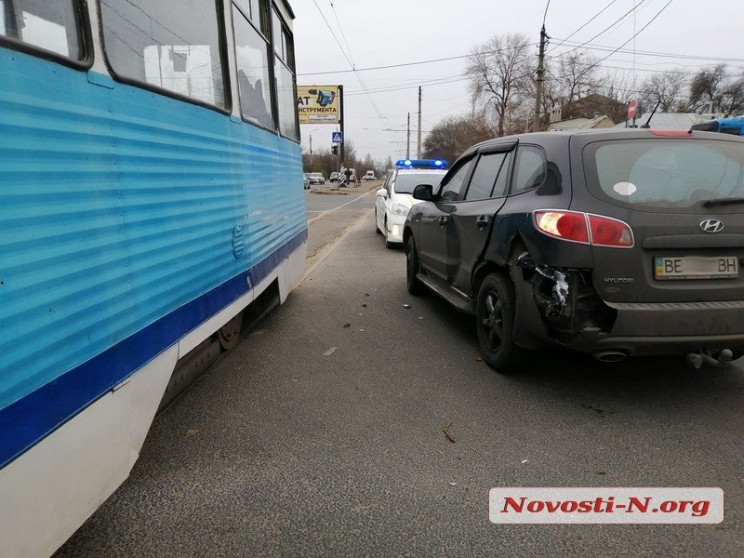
{"points": [[229, 334]]}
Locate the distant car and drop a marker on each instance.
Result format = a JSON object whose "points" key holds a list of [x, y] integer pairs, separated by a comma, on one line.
{"points": [[369, 175], [316, 178], [613, 243], [333, 177], [305, 181], [395, 197]]}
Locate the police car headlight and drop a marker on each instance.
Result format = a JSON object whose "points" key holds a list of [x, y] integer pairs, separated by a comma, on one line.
{"points": [[399, 209]]}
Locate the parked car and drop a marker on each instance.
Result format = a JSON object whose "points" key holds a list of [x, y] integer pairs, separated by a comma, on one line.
{"points": [[333, 177], [316, 178], [369, 175], [613, 243], [395, 197]]}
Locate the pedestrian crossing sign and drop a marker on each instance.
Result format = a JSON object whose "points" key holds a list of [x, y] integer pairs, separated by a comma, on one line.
{"points": [[336, 137]]}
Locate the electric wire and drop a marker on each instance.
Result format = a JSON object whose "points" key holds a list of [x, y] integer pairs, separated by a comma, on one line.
{"points": [[595, 16], [621, 18]]}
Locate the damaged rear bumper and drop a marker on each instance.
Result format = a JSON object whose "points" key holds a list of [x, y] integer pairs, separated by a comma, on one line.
{"points": [[559, 305]]}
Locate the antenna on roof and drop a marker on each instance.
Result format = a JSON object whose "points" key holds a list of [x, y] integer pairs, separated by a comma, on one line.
{"points": [[648, 122]]}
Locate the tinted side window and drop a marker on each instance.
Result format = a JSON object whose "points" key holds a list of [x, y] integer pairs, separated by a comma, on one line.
{"points": [[166, 45], [531, 167], [254, 79], [484, 177], [502, 182], [452, 184], [52, 26]]}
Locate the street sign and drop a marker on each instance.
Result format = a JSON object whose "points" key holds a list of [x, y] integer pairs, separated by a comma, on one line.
{"points": [[632, 108], [336, 137]]}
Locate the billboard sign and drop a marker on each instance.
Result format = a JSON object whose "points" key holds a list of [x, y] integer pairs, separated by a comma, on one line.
{"points": [[318, 104]]}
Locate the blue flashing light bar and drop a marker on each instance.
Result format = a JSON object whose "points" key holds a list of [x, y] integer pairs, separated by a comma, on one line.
{"points": [[421, 164]]}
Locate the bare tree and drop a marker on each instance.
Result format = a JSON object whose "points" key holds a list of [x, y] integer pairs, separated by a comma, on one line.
{"points": [[499, 70], [667, 89], [707, 88], [573, 76], [734, 96], [618, 85], [448, 139]]}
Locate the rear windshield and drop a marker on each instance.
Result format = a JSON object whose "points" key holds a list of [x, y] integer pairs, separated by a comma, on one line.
{"points": [[663, 175], [405, 183]]}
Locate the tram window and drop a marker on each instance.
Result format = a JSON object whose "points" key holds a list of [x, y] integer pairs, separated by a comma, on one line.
{"points": [[254, 78], [284, 75], [164, 45], [52, 26], [277, 34], [252, 10], [287, 100]]}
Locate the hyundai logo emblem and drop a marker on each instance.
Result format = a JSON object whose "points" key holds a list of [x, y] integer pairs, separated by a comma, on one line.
{"points": [[711, 225]]}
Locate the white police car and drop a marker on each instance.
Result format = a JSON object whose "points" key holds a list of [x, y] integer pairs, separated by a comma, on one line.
{"points": [[395, 197]]}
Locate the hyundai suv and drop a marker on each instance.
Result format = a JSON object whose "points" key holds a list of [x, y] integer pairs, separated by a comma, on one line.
{"points": [[613, 243]]}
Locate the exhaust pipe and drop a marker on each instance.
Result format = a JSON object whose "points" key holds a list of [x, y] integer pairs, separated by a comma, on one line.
{"points": [[610, 356]]}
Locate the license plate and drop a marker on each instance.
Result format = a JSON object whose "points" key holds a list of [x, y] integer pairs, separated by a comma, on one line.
{"points": [[696, 267]]}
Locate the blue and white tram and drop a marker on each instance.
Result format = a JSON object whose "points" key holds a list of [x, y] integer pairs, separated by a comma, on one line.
{"points": [[150, 191]]}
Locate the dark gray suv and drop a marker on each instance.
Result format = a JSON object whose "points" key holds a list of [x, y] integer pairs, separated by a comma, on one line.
{"points": [[613, 243]]}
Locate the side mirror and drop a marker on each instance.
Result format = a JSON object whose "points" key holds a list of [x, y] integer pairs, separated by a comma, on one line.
{"points": [[382, 192], [424, 192]]}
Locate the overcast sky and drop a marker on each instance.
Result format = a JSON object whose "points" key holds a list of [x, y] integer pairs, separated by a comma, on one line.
{"points": [[330, 35]]}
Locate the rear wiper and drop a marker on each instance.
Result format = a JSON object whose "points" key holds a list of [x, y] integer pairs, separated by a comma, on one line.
{"points": [[723, 201]]}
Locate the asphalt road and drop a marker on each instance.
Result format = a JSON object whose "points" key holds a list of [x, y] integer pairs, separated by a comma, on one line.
{"points": [[322, 435]]}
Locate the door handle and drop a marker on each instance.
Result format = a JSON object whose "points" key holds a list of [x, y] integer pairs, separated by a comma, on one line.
{"points": [[443, 221], [482, 222]]}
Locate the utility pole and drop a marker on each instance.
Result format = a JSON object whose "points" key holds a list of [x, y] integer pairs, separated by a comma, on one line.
{"points": [[540, 78], [418, 148], [408, 137], [341, 151]]}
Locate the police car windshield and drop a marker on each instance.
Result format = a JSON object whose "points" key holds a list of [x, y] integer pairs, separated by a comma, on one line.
{"points": [[405, 183]]}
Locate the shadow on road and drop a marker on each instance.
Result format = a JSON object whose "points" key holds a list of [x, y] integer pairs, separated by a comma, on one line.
{"points": [[644, 381]]}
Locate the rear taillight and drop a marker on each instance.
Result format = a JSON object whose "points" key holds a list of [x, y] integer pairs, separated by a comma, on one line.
{"points": [[610, 232], [585, 228], [567, 225]]}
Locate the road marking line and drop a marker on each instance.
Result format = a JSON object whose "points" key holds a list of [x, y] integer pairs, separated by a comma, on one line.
{"points": [[327, 212], [326, 250]]}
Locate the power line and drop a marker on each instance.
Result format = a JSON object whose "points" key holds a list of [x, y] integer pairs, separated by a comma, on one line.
{"points": [[334, 35], [654, 54], [343, 35], [595, 16], [622, 17], [348, 57], [634, 35], [587, 46], [440, 81], [404, 64]]}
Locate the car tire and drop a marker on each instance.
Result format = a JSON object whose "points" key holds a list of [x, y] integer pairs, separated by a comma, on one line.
{"points": [[377, 229], [494, 318], [413, 284]]}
